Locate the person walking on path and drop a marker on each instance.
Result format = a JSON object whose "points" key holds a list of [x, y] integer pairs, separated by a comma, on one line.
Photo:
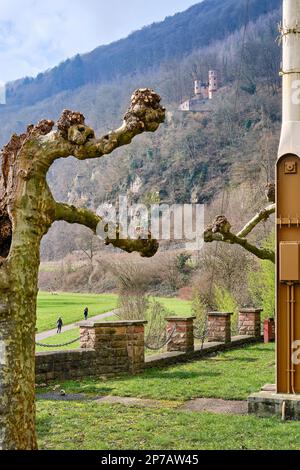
{"points": [[59, 325], [86, 313]]}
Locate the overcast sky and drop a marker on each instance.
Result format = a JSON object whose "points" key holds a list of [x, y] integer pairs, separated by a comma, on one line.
{"points": [[38, 34]]}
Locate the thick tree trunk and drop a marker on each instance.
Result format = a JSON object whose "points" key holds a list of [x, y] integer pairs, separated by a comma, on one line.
{"points": [[17, 366], [27, 210], [27, 202]]}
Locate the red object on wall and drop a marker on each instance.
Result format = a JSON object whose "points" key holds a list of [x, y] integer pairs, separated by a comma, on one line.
{"points": [[269, 330]]}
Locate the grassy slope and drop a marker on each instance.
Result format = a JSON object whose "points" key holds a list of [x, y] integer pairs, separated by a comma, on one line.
{"points": [[232, 374], [60, 339], [70, 307], [177, 306], [105, 427]]}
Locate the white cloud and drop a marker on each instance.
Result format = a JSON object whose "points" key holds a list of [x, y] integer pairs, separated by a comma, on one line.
{"points": [[36, 35]]}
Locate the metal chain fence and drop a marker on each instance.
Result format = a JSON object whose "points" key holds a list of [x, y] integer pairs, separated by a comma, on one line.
{"points": [[147, 345], [157, 348], [57, 345]]}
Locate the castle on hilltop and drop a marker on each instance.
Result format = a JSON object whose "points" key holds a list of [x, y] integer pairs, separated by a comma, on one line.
{"points": [[203, 93]]}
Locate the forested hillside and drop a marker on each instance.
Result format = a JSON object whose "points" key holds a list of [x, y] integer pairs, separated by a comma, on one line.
{"points": [[144, 50], [193, 156]]}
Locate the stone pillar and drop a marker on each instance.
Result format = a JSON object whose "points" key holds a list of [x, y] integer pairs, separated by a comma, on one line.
{"points": [[119, 343], [250, 322], [219, 327], [135, 332], [182, 331]]}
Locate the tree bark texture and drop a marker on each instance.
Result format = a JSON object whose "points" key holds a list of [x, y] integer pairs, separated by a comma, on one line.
{"points": [[27, 211]]}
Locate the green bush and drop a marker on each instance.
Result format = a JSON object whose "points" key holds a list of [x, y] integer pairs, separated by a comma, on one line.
{"points": [[199, 310], [226, 302], [262, 283]]}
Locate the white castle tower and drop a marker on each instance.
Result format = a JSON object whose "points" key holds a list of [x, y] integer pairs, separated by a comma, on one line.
{"points": [[198, 84], [212, 83], [201, 90]]}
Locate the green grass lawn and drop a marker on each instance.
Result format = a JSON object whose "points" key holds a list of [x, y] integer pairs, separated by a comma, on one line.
{"points": [[62, 338], [231, 375], [70, 307], [82, 426], [177, 306]]}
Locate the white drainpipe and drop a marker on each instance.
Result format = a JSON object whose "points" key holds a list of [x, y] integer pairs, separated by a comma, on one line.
{"points": [[290, 134]]}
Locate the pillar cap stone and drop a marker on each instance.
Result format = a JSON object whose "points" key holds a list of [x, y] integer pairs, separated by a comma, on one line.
{"points": [[180, 318], [110, 324], [251, 310], [219, 314]]}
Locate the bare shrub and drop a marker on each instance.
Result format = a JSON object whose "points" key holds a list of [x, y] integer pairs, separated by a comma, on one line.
{"points": [[186, 293], [172, 278], [199, 310], [133, 282], [135, 303], [202, 285], [226, 303], [155, 334], [48, 281], [74, 281]]}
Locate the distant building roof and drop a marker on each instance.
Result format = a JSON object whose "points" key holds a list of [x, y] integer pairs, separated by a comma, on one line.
{"points": [[196, 104]]}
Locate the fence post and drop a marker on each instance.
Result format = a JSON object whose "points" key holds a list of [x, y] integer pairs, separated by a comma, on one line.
{"points": [[120, 344], [181, 333], [219, 327], [250, 322], [269, 330]]}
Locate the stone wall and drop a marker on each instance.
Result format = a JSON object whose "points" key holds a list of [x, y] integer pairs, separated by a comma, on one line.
{"points": [[115, 348], [122, 341], [180, 330], [163, 360], [250, 322], [107, 349], [219, 327], [78, 363]]}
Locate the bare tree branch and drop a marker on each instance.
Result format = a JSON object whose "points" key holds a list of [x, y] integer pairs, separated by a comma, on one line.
{"points": [[77, 215], [74, 215], [87, 254], [263, 215], [220, 230], [73, 137]]}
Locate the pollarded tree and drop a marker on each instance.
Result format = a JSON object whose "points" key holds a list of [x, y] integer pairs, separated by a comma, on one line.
{"points": [[27, 210]]}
